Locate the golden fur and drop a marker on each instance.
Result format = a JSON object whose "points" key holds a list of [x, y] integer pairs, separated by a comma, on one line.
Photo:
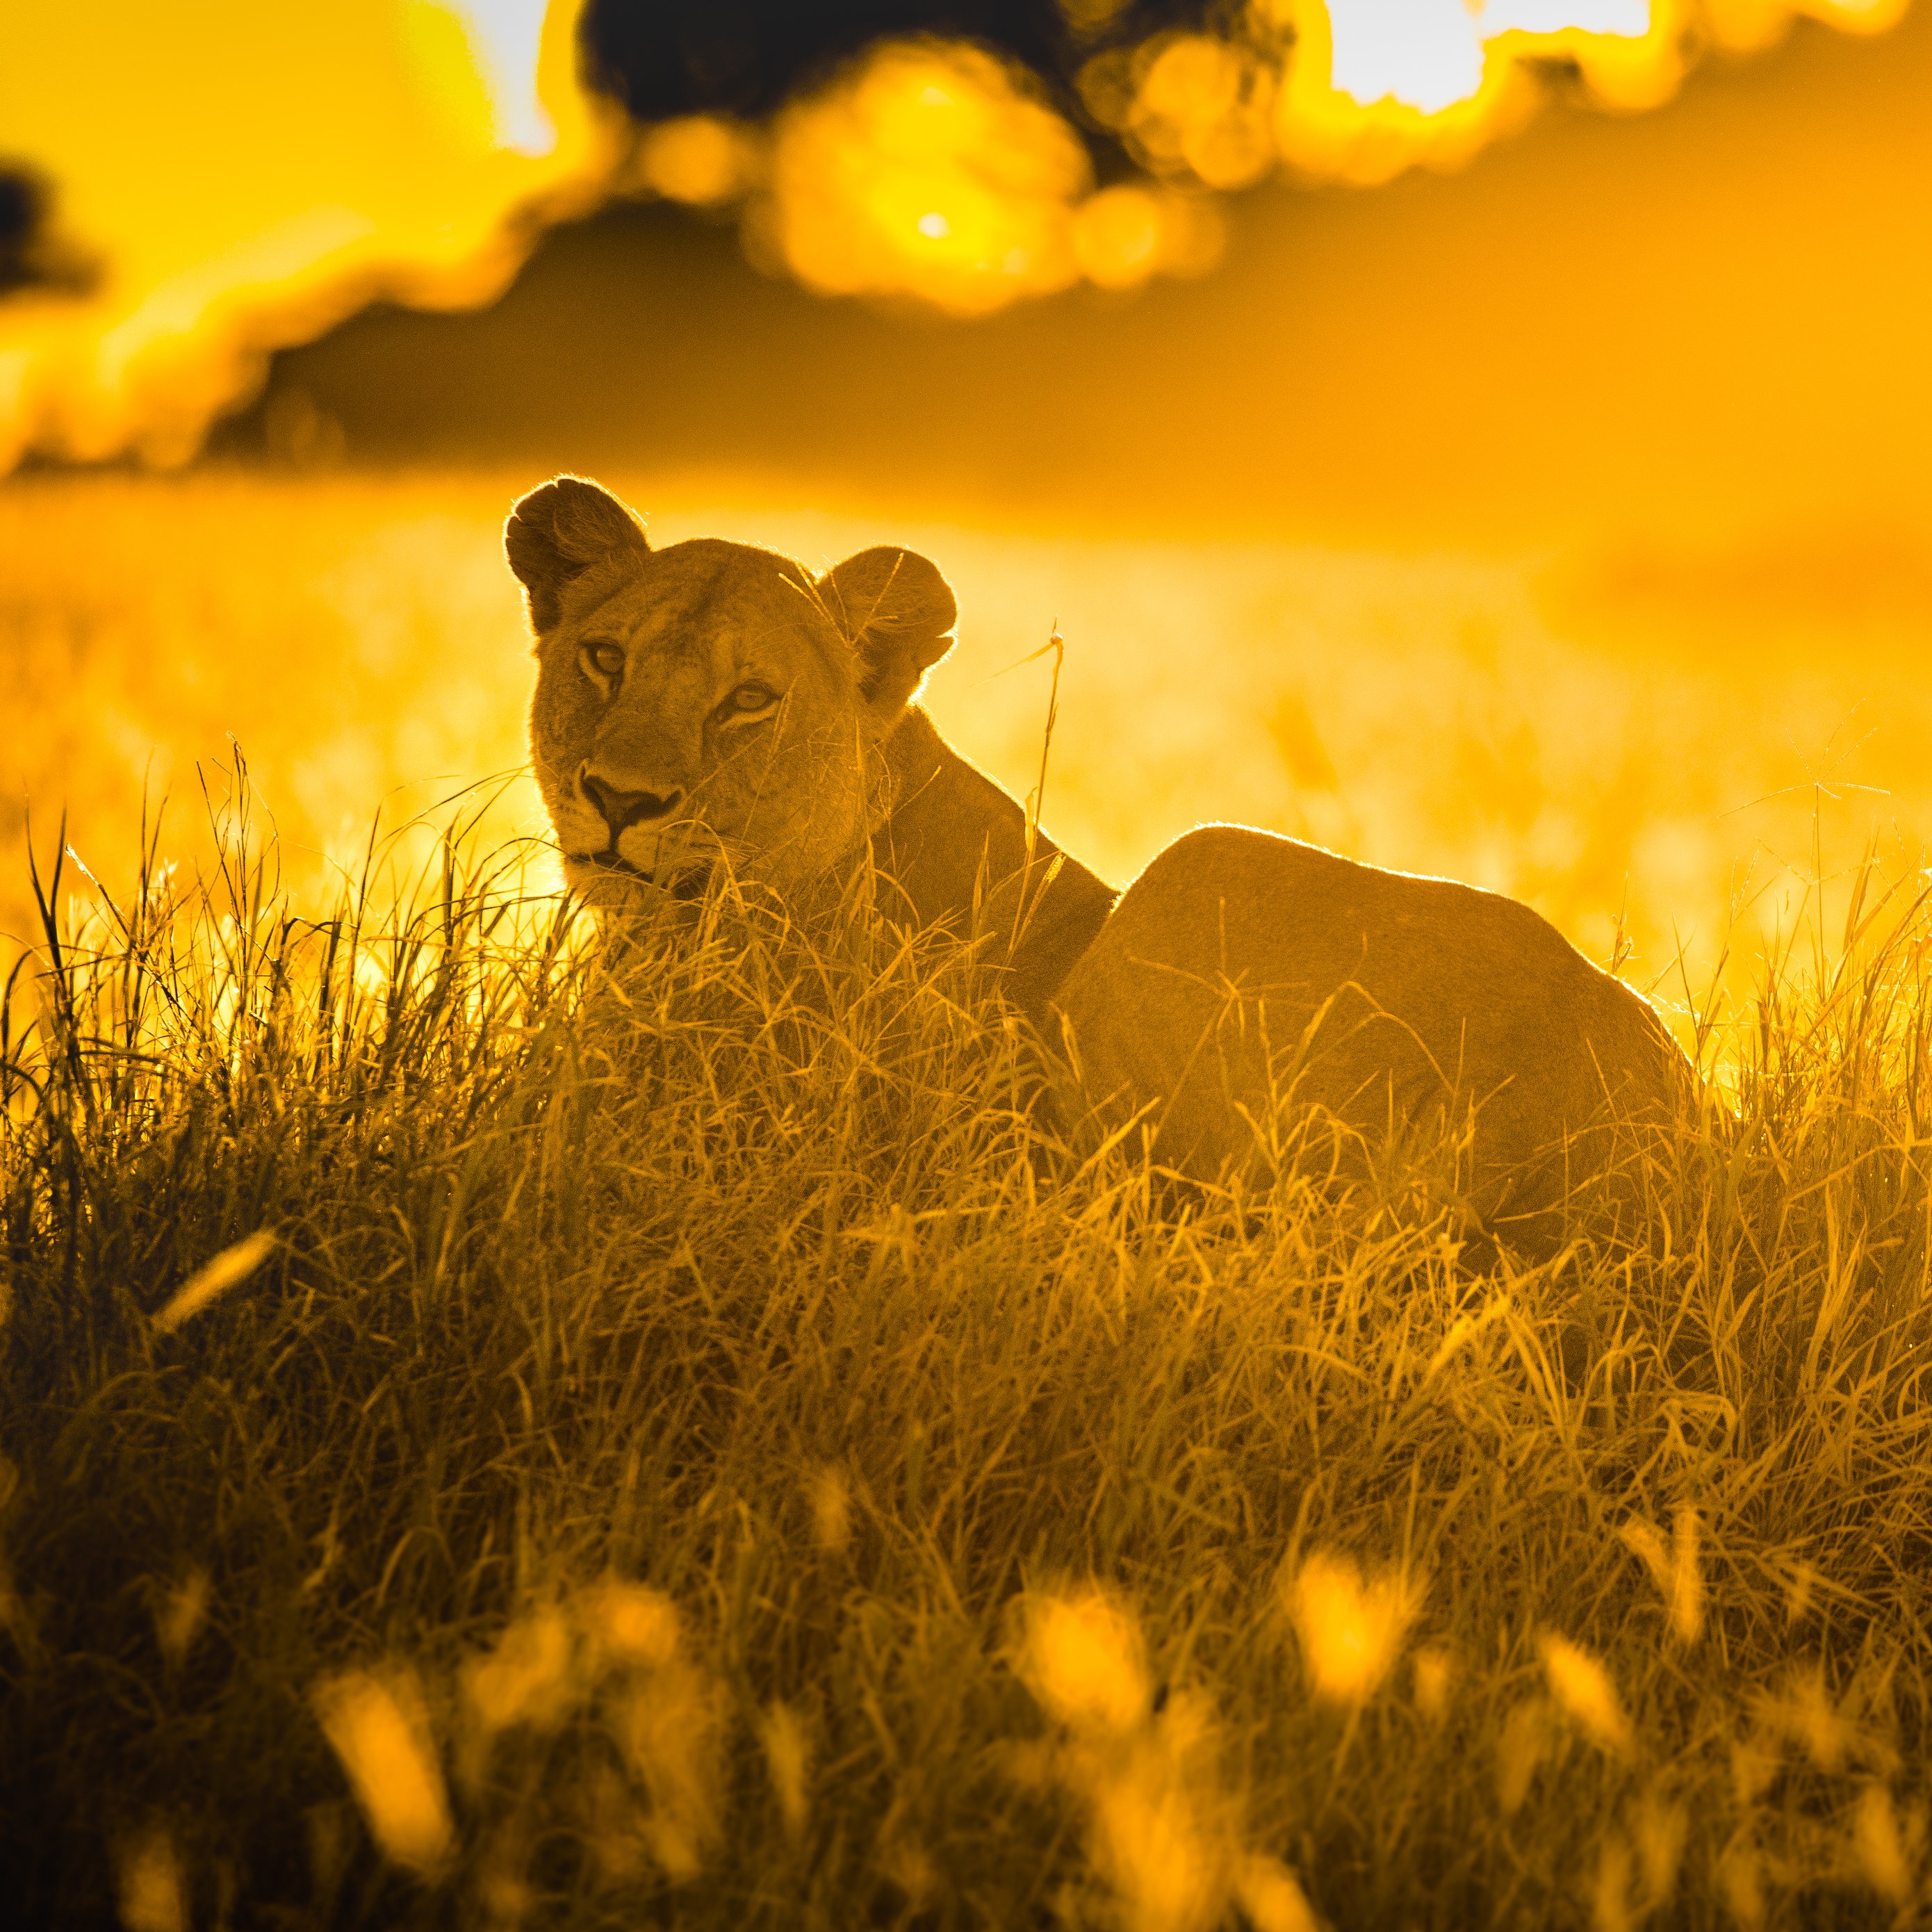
{"points": [[658, 754], [1241, 970], [712, 699]]}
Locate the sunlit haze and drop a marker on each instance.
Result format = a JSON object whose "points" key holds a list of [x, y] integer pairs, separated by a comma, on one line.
{"points": [[965, 963], [238, 177], [231, 181]]}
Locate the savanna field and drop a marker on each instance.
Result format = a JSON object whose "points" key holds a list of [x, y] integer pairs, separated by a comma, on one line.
{"points": [[502, 1430]]}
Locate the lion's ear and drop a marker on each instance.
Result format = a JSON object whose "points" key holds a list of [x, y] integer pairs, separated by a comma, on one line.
{"points": [[560, 530], [899, 612]]}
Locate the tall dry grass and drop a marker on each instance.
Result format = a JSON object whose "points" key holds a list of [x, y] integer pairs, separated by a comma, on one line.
{"points": [[1627, 746], [502, 1430]]}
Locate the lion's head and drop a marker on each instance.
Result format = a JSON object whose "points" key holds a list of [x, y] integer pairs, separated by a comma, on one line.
{"points": [[711, 697]]}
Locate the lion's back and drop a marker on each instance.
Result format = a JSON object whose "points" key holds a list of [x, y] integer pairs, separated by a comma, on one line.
{"points": [[1240, 962]]}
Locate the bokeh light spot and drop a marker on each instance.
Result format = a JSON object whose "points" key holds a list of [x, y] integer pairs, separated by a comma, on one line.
{"points": [[929, 169], [699, 159]]}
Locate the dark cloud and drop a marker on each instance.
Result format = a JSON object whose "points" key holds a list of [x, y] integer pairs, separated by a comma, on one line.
{"points": [[662, 57], [33, 254]]}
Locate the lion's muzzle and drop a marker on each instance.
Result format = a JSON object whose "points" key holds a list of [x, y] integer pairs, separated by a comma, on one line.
{"points": [[620, 809]]}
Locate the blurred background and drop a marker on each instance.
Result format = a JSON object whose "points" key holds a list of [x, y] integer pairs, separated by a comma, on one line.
{"points": [[1486, 439]]}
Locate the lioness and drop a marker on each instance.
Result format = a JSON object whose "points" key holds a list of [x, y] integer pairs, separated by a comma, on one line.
{"points": [[712, 699]]}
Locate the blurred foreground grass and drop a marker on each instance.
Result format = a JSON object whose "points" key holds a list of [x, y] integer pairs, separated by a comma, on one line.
{"points": [[502, 1433]]}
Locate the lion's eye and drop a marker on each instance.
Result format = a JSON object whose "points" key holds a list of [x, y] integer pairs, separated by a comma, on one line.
{"points": [[605, 657], [751, 697]]}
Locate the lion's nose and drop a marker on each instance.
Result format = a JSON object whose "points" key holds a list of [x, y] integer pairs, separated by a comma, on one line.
{"points": [[622, 809]]}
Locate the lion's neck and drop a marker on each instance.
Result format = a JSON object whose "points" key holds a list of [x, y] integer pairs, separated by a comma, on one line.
{"points": [[952, 839]]}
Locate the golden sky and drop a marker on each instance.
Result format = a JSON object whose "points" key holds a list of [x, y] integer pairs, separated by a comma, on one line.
{"points": [[242, 176], [1701, 320], [1687, 305], [1701, 323]]}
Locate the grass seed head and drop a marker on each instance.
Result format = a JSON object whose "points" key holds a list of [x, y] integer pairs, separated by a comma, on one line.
{"points": [[1160, 1829], [1582, 1688], [228, 1269], [614, 1827], [1804, 1712], [1610, 1907], [1659, 1828], [380, 1728], [1271, 1897], [179, 1613], [1158, 1832], [502, 1889], [1082, 1659], [904, 1865], [527, 1679], [628, 1623], [1527, 1737], [152, 1895], [1433, 1670], [831, 1500], [787, 1757], [1686, 1593], [1752, 1768], [666, 1728], [1148, 1844], [331, 1835], [1350, 1631], [675, 1845], [1878, 1846], [1642, 1541], [1741, 1885], [1675, 1568], [1799, 1593]]}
